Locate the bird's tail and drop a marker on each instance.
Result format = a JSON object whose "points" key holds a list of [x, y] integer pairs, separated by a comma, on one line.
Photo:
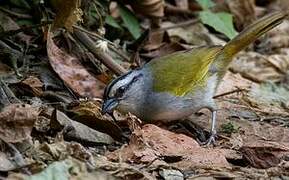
{"points": [[247, 36]]}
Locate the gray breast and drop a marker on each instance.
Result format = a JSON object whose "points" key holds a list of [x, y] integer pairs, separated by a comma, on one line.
{"points": [[167, 107]]}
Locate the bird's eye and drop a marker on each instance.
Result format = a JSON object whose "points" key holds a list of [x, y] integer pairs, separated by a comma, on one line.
{"points": [[120, 91]]}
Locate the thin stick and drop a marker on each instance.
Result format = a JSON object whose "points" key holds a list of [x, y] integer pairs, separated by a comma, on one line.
{"points": [[117, 51], [229, 92], [21, 29], [182, 24], [23, 16], [111, 45], [94, 34]]}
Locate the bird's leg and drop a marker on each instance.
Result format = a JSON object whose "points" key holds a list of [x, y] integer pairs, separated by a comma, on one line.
{"points": [[213, 131], [213, 128]]}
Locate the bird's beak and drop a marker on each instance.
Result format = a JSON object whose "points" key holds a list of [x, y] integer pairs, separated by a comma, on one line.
{"points": [[109, 105]]}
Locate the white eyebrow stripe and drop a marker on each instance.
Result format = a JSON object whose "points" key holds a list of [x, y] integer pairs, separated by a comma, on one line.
{"points": [[124, 80]]}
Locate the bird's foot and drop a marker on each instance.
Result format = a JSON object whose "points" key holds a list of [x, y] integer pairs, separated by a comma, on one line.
{"points": [[211, 140]]}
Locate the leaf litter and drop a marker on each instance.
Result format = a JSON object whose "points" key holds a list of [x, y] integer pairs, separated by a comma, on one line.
{"points": [[52, 134]]}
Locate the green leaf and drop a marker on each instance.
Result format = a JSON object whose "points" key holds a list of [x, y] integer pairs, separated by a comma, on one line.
{"points": [[112, 22], [130, 21], [221, 22], [206, 4]]}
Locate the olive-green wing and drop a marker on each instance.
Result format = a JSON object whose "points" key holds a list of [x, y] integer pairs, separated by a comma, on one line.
{"points": [[179, 73]]}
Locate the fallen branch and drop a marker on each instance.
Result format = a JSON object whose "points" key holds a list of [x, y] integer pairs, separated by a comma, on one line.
{"points": [[100, 55]]}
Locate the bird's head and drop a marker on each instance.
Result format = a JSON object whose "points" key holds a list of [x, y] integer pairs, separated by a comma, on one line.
{"points": [[124, 93]]}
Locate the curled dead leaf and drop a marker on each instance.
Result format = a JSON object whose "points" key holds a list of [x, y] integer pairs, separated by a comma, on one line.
{"points": [[33, 84], [89, 113], [72, 72]]}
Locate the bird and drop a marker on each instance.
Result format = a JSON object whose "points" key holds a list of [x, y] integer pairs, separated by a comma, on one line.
{"points": [[175, 86]]}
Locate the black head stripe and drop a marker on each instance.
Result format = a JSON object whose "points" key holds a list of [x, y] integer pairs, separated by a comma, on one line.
{"points": [[112, 83], [126, 87]]}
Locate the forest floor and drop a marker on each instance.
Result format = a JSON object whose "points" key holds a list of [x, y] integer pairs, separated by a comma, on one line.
{"points": [[51, 86]]}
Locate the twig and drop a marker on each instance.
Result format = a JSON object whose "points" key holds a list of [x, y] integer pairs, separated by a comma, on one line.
{"points": [[182, 24], [102, 56], [111, 45], [21, 29], [93, 34], [8, 93], [120, 53], [230, 92], [18, 15]]}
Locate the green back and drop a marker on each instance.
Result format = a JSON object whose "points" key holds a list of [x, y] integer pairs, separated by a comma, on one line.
{"points": [[181, 72]]}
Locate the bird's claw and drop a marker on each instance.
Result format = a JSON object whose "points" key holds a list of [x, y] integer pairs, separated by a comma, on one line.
{"points": [[211, 140]]}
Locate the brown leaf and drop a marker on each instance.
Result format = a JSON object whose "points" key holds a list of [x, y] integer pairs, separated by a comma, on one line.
{"points": [[72, 72], [151, 143], [17, 121], [8, 24], [89, 113], [260, 68], [61, 150], [194, 34], [155, 40], [243, 11], [33, 84], [122, 170], [164, 50], [260, 155]]}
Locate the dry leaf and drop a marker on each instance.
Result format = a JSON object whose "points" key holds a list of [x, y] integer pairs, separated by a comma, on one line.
{"points": [[195, 34], [72, 72], [62, 150], [260, 68], [243, 11], [17, 121], [155, 40], [260, 155], [151, 143], [33, 84], [89, 113], [165, 49], [8, 24]]}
